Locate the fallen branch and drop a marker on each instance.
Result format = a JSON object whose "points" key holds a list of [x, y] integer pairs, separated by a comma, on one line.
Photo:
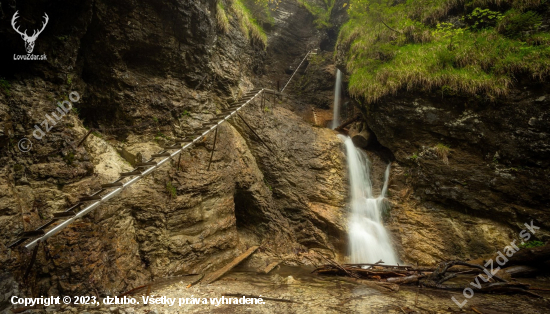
{"points": [[430, 277], [220, 272], [406, 280], [337, 265], [521, 271], [410, 268], [375, 272], [439, 274], [271, 266], [476, 310]]}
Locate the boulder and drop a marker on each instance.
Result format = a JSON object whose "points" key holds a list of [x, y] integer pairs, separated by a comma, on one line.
{"points": [[360, 134]]}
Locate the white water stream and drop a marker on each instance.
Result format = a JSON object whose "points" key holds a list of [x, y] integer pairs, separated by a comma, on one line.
{"points": [[337, 98], [369, 241]]}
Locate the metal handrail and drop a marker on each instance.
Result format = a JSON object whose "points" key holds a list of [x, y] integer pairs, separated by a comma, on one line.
{"points": [[115, 192], [290, 79]]}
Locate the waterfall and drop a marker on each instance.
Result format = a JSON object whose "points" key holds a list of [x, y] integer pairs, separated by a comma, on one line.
{"points": [[369, 241], [337, 97]]}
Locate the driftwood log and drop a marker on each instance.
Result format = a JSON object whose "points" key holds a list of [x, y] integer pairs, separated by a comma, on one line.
{"points": [[479, 284], [432, 277], [406, 280], [220, 272], [382, 273], [520, 271]]}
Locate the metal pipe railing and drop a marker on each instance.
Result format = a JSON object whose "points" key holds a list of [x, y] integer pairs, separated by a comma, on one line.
{"points": [[55, 230], [290, 79]]}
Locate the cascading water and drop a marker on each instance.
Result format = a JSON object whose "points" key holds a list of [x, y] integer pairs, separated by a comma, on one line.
{"points": [[337, 97], [369, 240]]}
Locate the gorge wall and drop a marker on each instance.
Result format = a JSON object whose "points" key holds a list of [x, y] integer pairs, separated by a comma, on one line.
{"points": [[495, 180], [469, 162], [148, 72]]}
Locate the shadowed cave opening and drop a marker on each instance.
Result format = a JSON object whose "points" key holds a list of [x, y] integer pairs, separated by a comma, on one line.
{"points": [[249, 216]]}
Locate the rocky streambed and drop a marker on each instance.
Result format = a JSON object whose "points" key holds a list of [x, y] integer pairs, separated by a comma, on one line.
{"points": [[296, 290]]}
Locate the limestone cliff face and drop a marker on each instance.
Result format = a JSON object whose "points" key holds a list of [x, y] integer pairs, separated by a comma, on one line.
{"points": [[147, 73], [495, 181]]}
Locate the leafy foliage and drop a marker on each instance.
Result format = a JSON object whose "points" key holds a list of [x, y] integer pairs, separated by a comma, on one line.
{"points": [[414, 44], [482, 18], [516, 23]]}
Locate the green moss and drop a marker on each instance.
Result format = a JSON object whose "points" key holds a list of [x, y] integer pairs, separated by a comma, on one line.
{"points": [[316, 60], [262, 9], [76, 110], [69, 158], [248, 24], [321, 12], [268, 185], [185, 113], [97, 134], [531, 244], [389, 47], [5, 86], [160, 136]]}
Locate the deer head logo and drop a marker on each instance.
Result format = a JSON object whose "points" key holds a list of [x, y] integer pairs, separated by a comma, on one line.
{"points": [[29, 40]]}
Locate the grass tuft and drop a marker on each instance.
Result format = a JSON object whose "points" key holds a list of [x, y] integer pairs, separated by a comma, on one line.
{"points": [[248, 23], [172, 191], [221, 16], [321, 10], [443, 151], [390, 46]]}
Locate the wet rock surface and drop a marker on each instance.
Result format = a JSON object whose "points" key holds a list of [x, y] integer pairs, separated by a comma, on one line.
{"points": [[152, 72], [149, 73], [308, 293], [496, 179], [192, 220]]}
